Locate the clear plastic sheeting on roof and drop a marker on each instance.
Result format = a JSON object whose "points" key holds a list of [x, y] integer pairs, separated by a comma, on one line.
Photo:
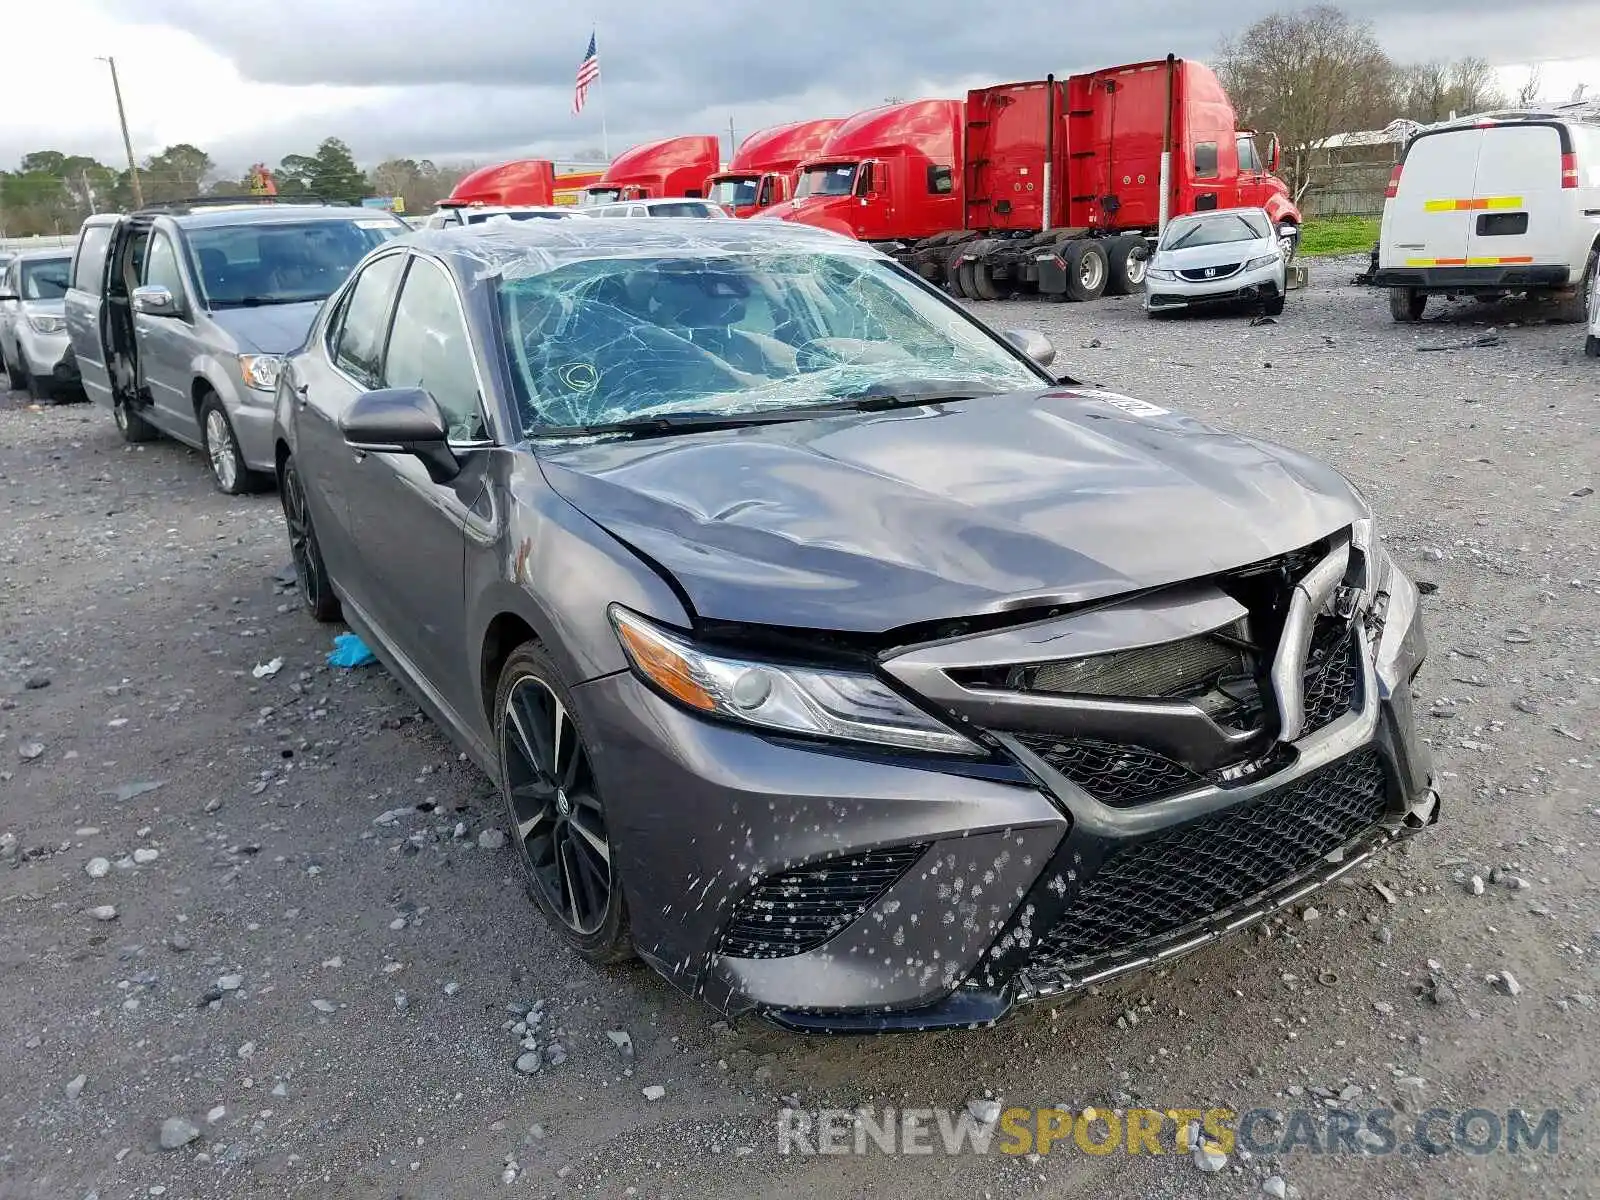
{"points": [[610, 324]]}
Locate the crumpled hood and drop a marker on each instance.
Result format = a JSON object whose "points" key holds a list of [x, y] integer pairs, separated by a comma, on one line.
{"points": [[269, 329], [869, 522]]}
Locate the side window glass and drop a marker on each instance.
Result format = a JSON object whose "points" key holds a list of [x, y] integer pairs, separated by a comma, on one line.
{"points": [[1247, 155], [358, 342], [429, 348], [1205, 160], [941, 181], [90, 264], [161, 266]]}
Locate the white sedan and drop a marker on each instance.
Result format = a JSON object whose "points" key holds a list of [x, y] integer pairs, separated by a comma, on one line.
{"points": [[1228, 256]]}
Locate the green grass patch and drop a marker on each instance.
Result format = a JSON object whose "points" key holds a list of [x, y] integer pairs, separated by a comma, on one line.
{"points": [[1338, 235]]}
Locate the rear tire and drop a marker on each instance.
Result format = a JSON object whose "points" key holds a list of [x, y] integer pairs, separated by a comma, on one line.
{"points": [[953, 271], [983, 282], [548, 784], [1575, 309], [1127, 269], [311, 573], [1406, 304], [131, 425], [1087, 269]]}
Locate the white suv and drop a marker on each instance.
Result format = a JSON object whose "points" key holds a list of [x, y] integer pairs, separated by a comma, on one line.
{"points": [[1491, 205], [664, 207]]}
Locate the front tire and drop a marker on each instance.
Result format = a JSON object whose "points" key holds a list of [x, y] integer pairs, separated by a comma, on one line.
{"points": [[228, 470], [554, 809], [311, 573], [40, 391], [1273, 305], [1591, 346], [1406, 304]]}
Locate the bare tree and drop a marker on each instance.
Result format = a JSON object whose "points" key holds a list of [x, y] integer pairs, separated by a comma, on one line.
{"points": [[1431, 91], [1308, 75], [1528, 93]]}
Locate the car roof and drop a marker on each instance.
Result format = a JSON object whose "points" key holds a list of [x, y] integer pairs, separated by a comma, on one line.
{"points": [[34, 255], [213, 216], [516, 249]]}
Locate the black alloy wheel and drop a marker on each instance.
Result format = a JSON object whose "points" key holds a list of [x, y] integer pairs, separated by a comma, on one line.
{"points": [[553, 803]]}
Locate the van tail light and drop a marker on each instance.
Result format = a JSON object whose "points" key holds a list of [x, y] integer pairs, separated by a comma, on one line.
{"points": [[1394, 183], [1569, 170]]}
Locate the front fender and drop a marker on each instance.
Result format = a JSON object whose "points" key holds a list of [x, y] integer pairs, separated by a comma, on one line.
{"points": [[1280, 208], [556, 571]]}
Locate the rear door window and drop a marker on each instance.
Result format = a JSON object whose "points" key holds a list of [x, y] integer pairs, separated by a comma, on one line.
{"points": [[357, 344], [161, 266], [89, 263]]}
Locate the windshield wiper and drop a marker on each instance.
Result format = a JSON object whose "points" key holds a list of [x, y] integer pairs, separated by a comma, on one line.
{"points": [[684, 422], [262, 301]]}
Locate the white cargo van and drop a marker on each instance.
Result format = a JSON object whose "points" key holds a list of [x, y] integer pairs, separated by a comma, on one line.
{"points": [[1492, 205]]}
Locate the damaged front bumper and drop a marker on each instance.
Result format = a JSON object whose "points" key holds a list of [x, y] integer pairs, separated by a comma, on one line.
{"points": [[961, 890]]}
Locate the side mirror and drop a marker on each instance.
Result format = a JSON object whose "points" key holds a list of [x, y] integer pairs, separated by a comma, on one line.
{"points": [[1033, 344], [401, 421], [1274, 153], [153, 300]]}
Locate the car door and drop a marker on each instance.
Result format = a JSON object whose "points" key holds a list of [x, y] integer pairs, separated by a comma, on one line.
{"points": [[167, 343], [1427, 221], [1519, 213], [10, 306], [340, 363], [84, 301], [407, 528]]}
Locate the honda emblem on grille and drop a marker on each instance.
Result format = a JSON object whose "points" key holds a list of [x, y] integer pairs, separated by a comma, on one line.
{"points": [[1211, 272]]}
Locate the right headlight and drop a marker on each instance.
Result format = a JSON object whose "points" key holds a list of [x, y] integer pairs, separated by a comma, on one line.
{"points": [[1161, 273], [1265, 260], [818, 702]]}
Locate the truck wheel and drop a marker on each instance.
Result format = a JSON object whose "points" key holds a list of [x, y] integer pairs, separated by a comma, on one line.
{"points": [[1575, 309], [1087, 270], [1127, 267], [978, 282], [1406, 304], [952, 271], [131, 425]]}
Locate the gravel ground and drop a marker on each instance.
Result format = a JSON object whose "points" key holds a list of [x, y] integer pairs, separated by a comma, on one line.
{"points": [[314, 998]]}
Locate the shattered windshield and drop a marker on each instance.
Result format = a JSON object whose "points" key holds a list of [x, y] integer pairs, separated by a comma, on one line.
{"points": [[603, 340], [738, 191], [1213, 231], [836, 180]]}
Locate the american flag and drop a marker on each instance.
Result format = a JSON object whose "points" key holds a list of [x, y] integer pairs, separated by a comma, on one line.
{"points": [[588, 72]]}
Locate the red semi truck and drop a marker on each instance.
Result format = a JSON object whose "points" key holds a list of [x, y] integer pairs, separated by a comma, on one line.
{"points": [[521, 181], [1054, 185], [674, 167], [765, 168]]}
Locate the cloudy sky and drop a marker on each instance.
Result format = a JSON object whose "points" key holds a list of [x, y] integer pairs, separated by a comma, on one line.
{"points": [[480, 79]]}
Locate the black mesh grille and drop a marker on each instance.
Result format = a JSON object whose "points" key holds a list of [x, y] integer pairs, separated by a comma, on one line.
{"points": [[1183, 875], [1113, 774], [798, 910], [1332, 682]]}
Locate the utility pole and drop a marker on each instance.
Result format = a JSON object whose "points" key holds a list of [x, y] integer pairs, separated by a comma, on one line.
{"points": [[127, 142], [733, 145], [88, 190]]}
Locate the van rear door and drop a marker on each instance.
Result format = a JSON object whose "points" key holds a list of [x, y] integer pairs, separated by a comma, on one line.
{"points": [[1517, 216], [85, 305], [1427, 222]]}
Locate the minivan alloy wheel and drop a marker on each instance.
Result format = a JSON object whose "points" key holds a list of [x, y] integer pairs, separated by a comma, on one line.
{"points": [[220, 449], [559, 822]]}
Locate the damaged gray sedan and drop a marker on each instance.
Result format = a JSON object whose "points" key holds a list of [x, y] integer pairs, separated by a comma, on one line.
{"points": [[830, 653]]}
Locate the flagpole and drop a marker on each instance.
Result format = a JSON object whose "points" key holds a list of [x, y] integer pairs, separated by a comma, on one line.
{"points": [[600, 81]]}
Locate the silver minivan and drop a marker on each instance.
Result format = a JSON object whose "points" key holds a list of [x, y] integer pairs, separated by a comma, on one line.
{"points": [[180, 314]]}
